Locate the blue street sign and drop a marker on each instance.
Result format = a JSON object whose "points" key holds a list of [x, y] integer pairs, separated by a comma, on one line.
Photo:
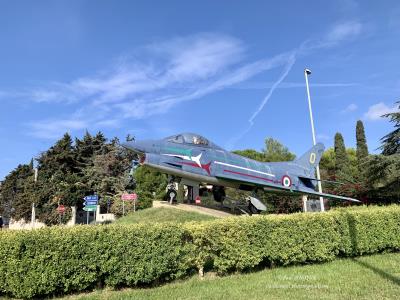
{"points": [[91, 197], [90, 202]]}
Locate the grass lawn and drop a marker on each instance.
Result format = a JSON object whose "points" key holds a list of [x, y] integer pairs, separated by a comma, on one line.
{"points": [[368, 277], [161, 214]]}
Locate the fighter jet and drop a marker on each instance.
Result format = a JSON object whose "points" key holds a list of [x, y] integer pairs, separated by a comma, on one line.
{"points": [[193, 157]]}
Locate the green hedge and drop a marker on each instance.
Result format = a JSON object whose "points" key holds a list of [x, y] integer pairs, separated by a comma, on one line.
{"points": [[56, 260]]}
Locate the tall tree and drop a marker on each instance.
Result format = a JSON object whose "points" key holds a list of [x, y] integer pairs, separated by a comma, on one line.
{"points": [[362, 148], [341, 158], [391, 141], [16, 193], [275, 151], [382, 175], [84, 150]]}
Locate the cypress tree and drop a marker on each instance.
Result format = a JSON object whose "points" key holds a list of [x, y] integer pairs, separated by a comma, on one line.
{"points": [[341, 159], [362, 148]]}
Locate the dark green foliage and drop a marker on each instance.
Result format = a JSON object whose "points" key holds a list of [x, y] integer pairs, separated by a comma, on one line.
{"points": [[391, 141], [382, 175], [66, 173], [145, 199], [59, 260], [15, 193], [341, 158], [151, 181]]}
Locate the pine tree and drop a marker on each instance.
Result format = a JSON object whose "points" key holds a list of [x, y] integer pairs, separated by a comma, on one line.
{"points": [[362, 148], [16, 193], [99, 142], [276, 151], [84, 150], [391, 141]]}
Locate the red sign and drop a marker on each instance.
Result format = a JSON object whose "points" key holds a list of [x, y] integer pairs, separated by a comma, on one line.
{"points": [[129, 196], [61, 209], [198, 200]]}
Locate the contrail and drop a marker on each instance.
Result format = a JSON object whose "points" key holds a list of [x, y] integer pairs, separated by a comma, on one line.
{"points": [[286, 70], [288, 66]]}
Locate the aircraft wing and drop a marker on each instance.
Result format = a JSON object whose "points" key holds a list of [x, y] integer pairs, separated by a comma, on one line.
{"points": [[267, 183]]}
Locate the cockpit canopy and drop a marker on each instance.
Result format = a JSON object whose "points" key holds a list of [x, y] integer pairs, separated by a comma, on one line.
{"points": [[191, 139]]}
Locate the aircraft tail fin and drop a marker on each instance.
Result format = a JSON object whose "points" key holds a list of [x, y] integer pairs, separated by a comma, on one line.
{"points": [[311, 158]]}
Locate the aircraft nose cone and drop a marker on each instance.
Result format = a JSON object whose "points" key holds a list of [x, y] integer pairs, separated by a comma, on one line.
{"points": [[141, 147]]}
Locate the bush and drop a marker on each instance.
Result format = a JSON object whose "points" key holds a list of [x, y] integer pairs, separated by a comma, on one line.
{"points": [[238, 244], [59, 260], [366, 230], [145, 200], [53, 261]]}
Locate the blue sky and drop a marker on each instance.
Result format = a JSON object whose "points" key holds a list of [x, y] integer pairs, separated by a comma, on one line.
{"points": [[230, 70]]}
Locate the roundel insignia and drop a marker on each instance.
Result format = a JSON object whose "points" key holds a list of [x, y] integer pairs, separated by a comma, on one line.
{"points": [[312, 158], [286, 181]]}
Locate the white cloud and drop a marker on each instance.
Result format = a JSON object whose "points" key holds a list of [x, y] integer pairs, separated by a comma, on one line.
{"points": [[336, 35], [350, 108], [52, 129], [166, 74], [55, 128], [375, 111], [344, 31], [137, 91]]}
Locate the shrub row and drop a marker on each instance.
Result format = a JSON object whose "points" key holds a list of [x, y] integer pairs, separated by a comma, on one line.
{"points": [[54, 261], [58, 260]]}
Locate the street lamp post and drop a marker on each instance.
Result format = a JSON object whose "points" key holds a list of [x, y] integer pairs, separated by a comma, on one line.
{"points": [[306, 73], [33, 216]]}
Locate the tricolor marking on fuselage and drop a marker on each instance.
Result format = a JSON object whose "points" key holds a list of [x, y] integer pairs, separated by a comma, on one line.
{"points": [[196, 159]]}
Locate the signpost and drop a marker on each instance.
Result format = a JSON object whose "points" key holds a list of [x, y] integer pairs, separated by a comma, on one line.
{"points": [[90, 204], [108, 204], [61, 211], [127, 197]]}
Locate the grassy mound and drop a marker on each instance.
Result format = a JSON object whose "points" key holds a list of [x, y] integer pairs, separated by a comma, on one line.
{"points": [[161, 214]]}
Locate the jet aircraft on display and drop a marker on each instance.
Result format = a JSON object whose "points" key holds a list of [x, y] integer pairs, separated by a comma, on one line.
{"points": [[195, 158]]}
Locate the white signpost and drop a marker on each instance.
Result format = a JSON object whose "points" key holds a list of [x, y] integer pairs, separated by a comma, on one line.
{"points": [[128, 197]]}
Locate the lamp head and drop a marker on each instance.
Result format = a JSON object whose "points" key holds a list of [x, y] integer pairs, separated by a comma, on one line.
{"points": [[307, 71]]}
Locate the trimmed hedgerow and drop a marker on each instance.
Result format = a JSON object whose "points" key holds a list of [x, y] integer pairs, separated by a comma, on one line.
{"points": [[368, 230], [243, 243], [58, 260]]}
